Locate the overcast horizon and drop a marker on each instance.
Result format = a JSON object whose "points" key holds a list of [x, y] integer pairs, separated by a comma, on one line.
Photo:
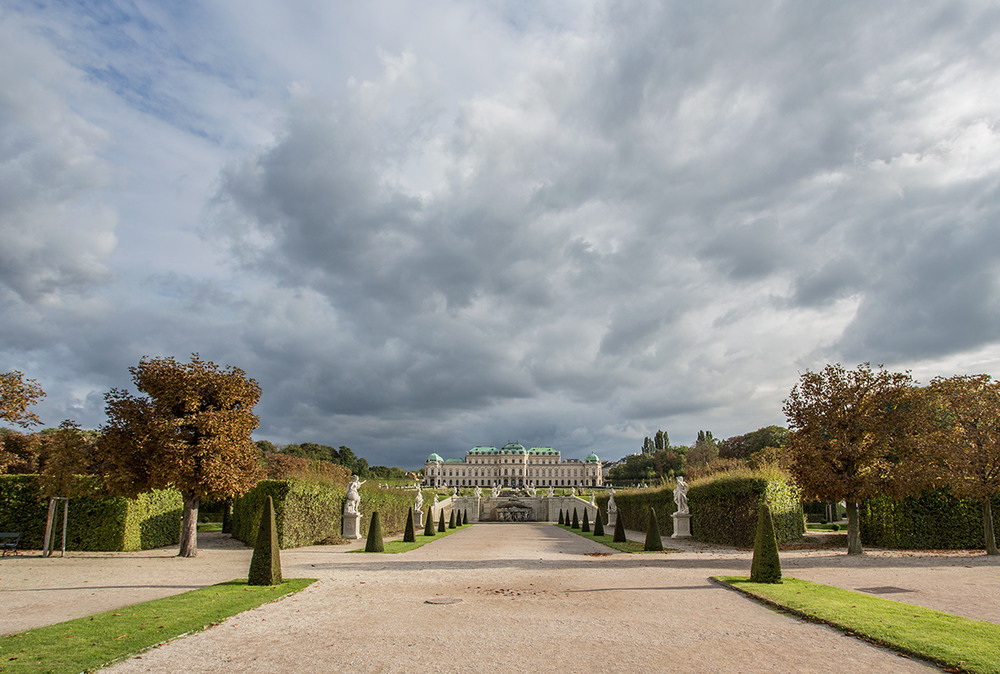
{"points": [[429, 226]]}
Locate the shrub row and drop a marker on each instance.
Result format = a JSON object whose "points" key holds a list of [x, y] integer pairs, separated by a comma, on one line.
{"points": [[724, 507], [634, 507], [932, 521], [97, 522], [310, 513]]}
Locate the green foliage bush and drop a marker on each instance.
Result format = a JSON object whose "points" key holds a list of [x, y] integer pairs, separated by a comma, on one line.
{"points": [[724, 506], [428, 523], [97, 522], [634, 504], [442, 527], [265, 564], [451, 520], [585, 523], [409, 535], [375, 542], [561, 520], [598, 525], [309, 513], [934, 520], [619, 536], [576, 519], [766, 565], [653, 541]]}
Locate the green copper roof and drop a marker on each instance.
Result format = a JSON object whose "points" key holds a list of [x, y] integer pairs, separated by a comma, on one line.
{"points": [[513, 448], [592, 458], [435, 457], [483, 450], [542, 450]]}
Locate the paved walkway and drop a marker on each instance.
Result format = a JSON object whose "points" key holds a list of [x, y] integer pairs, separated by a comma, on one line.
{"points": [[529, 597]]}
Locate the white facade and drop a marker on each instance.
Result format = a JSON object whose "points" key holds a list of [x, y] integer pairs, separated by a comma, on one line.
{"points": [[513, 466]]}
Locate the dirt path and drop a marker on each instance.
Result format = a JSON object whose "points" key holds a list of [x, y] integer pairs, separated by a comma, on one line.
{"points": [[530, 597]]}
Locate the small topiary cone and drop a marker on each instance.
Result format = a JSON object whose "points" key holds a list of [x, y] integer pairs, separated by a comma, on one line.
{"points": [[619, 529], [561, 520], [265, 565], [465, 516], [442, 526], [576, 519], [374, 542], [766, 566], [585, 524], [409, 536], [429, 523], [598, 525], [653, 540], [451, 520]]}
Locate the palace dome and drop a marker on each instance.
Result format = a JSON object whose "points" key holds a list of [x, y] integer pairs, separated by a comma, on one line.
{"points": [[514, 448], [592, 458], [435, 458]]}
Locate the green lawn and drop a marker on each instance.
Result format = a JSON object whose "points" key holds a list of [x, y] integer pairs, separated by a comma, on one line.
{"points": [[88, 643], [395, 547], [609, 540], [210, 526], [960, 644]]}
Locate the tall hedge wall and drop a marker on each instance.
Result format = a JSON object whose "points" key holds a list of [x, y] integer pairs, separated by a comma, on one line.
{"points": [[310, 513], [634, 504], [724, 507], [97, 522], [932, 521]]}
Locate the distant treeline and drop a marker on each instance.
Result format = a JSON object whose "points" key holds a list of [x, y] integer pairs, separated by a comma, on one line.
{"points": [[342, 456]]}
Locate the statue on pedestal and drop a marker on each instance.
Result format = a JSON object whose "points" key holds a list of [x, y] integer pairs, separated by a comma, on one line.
{"points": [[418, 504], [454, 491], [552, 491], [495, 489], [478, 491], [612, 506], [680, 496], [592, 497], [352, 505]]}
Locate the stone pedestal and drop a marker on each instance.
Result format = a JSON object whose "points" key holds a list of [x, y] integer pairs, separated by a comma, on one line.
{"points": [[352, 526], [612, 517], [682, 525], [418, 519]]}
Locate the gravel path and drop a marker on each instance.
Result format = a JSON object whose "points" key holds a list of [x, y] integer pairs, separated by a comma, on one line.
{"points": [[504, 597]]}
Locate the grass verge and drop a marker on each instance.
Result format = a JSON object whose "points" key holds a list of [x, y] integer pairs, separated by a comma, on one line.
{"points": [[91, 642], [398, 546], [609, 540], [957, 643]]}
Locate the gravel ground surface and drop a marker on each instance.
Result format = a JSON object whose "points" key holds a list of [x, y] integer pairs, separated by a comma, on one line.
{"points": [[499, 597]]}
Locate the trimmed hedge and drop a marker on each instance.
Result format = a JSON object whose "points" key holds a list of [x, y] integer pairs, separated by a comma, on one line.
{"points": [[724, 507], [634, 505], [97, 522], [934, 520], [310, 513]]}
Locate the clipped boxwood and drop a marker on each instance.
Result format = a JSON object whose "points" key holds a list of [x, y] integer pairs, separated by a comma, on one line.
{"points": [[310, 513], [724, 507], [634, 505], [97, 522], [934, 520]]}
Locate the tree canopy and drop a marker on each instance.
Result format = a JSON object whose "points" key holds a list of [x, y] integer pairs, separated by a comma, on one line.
{"points": [[191, 430], [853, 432], [17, 394]]}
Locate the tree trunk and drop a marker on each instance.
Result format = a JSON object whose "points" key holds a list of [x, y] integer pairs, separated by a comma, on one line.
{"points": [[227, 517], [988, 533], [189, 526], [853, 530]]}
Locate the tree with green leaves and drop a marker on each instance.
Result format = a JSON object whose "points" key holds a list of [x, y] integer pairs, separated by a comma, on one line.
{"points": [[17, 395], [970, 436], [190, 431], [854, 435]]}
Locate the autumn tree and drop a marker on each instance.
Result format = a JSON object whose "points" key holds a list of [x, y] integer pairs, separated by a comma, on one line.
{"points": [[191, 431], [970, 436], [17, 395], [855, 435]]}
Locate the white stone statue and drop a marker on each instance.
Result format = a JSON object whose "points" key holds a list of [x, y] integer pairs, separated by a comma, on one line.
{"points": [[572, 491], [495, 489], [478, 491], [552, 491], [532, 491], [353, 503], [680, 496], [592, 497], [454, 491], [418, 504], [612, 506], [434, 502]]}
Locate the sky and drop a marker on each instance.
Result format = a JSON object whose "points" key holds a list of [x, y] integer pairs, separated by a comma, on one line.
{"points": [[430, 226]]}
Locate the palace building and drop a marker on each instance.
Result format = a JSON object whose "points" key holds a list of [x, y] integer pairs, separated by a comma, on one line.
{"points": [[513, 466]]}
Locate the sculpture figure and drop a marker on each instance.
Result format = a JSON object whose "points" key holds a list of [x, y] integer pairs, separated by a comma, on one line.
{"points": [[552, 491], [418, 504], [454, 491], [680, 496], [495, 489], [612, 506], [592, 497], [478, 491], [434, 502], [352, 505]]}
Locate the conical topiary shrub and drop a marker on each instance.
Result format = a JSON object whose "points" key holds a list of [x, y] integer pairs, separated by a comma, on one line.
{"points": [[429, 523], [265, 565], [598, 525], [451, 520], [585, 524], [374, 542], [409, 535], [653, 540], [465, 516], [561, 520], [766, 566], [576, 519], [619, 529], [442, 526]]}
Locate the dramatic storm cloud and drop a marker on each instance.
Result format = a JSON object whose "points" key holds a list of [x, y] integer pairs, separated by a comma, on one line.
{"points": [[571, 224]]}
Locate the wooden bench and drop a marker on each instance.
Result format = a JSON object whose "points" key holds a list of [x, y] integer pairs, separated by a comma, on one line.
{"points": [[9, 541]]}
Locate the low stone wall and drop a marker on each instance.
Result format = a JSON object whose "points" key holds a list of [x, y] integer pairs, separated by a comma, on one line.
{"points": [[488, 509]]}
